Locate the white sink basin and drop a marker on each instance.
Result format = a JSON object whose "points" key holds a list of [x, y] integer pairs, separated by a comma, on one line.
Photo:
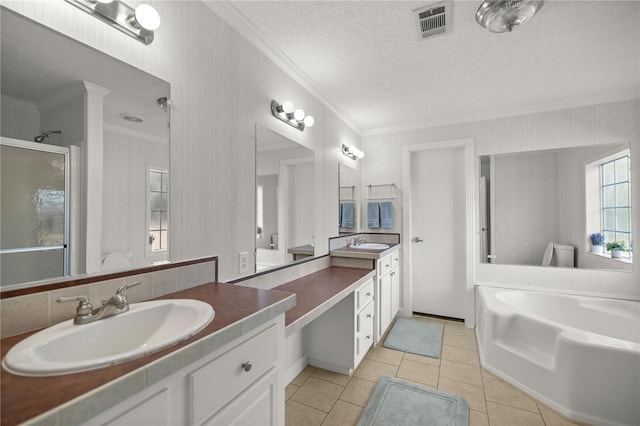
{"points": [[371, 246], [147, 327]]}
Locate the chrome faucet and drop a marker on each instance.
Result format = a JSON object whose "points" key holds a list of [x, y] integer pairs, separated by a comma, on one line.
{"points": [[85, 312], [358, 240]]}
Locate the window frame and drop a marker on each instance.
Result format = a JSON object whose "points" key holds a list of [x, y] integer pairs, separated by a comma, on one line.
{"points": [[149, 246]]}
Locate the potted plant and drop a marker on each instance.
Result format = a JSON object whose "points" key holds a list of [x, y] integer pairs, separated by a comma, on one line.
{"points": [[597, 242], [616, 248]]}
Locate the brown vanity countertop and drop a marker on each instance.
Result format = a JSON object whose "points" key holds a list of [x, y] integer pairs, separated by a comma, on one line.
{"points": [[24, 398], [316, 293]]}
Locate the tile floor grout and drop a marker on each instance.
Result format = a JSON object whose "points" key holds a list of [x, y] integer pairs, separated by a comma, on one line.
{"points": [[379, 357]]}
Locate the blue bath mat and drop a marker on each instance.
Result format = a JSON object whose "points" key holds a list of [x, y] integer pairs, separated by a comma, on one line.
{"points": [[396, 402], [416, 336]]}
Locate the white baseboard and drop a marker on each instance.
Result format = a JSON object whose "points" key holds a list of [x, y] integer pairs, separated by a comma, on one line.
{"points": [[297, 367], [331, 367]]}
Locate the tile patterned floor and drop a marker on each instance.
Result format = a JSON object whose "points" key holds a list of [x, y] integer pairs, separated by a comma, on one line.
{"points": [[321, 397]]}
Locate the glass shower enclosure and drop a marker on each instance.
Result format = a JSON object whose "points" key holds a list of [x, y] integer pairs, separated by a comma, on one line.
{"points": [[34, 211]]}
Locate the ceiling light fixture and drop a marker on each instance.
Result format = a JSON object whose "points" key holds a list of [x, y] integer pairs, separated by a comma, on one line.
{"points": [[139, 23], [352, 152], [293, 117], [499, 16], [131, 117]]}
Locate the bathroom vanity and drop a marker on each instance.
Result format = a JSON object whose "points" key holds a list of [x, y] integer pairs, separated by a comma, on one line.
{"points": [[386, 263], [335, 305], [229, 371]]}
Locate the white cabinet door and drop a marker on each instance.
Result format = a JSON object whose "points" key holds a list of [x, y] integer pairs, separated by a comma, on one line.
{"points": [[152, 411], [395, 292], [255, 406], [385, 303]]}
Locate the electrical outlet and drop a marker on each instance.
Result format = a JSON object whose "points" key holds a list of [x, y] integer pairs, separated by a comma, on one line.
{"points": [[243, 262]]}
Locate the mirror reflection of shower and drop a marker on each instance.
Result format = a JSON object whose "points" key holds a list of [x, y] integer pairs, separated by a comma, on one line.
{"points": [[45, 135]]}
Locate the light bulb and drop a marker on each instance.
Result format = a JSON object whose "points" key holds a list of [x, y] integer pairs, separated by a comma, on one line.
{"points": [[287, 107], [353, 149], [360, 154], [147, 17], [298, 114], [309, 121]]}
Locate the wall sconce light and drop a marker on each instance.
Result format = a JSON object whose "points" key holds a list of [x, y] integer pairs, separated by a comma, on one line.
{"points": [[139, 23], [293, 117], [352, 152]]}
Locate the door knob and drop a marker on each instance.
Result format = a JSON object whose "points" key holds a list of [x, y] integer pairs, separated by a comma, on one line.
{"points": [[417, 240]]}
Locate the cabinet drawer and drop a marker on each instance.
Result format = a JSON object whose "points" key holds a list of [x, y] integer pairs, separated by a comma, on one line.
{"points": [[365, 316], [222, 379], [365, 340], [395, 260], [385, 265], [255, 406], [364, 295]]}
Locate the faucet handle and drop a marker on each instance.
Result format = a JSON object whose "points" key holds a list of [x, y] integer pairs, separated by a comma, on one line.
{"points": [[122, 291], [84, 307]]}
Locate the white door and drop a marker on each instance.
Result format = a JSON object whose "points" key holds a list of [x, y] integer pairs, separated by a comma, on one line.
{"points": [[438, 222]]}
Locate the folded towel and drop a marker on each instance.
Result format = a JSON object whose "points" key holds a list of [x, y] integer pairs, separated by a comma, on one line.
{"points": [[386, 214], [373, 215], [347, 215]]}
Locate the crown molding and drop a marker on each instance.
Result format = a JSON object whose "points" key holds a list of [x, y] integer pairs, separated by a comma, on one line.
{"points": [[232, 16], [10, 102], [493, 115], [72, 91]]}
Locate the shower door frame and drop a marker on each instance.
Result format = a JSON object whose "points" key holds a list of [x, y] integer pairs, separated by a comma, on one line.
{"points": [[54, 149]]}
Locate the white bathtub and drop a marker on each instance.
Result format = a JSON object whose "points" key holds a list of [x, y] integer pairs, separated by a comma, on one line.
{"points": [[579, 355]]}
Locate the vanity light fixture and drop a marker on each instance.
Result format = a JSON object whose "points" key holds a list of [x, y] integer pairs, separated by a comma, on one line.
{"points": [[352, 152], [139, 23], [293, 117]]}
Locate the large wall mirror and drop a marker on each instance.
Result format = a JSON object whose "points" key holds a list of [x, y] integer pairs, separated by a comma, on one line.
{"points": [[285, 200], [542, 207], [52, 83], [349, 202]]}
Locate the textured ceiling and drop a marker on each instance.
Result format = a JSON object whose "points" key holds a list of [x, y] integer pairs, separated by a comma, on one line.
{"points": [[367, 61]]}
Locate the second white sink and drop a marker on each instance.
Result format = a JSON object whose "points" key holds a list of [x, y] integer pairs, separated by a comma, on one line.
{"points": [[147, 327], [371, 246]]}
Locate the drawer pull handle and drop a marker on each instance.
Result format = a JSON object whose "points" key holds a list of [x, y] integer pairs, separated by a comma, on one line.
{"points": [[368, 337], [368, 294], [368, 315], [246, 366]]}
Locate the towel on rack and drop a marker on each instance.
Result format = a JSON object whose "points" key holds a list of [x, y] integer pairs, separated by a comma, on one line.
{"points": [[347, 215], [373, 215], [386, 214]]}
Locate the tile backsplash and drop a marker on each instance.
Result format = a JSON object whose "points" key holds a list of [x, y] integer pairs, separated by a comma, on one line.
{"points": [[27, 312]]}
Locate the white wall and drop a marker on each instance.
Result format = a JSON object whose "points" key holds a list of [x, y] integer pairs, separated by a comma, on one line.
{"points": [[221, 86], [124, 224], [591, 125], [301, 192], [526, 206]]}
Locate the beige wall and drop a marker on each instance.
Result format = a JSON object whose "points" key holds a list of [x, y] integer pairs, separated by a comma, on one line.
{"points": [[221, 86]]}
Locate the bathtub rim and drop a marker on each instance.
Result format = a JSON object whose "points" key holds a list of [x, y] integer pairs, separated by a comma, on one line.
{"points": [[564, 411]]}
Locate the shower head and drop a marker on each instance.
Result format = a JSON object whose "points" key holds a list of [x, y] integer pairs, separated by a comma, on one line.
{"points": [[45, 135]]}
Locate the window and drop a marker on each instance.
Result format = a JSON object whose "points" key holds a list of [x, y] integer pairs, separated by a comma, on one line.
{"points": [[158, 208], [608, 199], [259, 211], [616, 200]]}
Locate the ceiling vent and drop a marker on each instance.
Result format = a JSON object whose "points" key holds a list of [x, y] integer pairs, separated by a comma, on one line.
{"points": [[433, 20]]}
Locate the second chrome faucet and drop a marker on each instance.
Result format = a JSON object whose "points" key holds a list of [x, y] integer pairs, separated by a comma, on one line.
{"points": [[86, 313]]}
